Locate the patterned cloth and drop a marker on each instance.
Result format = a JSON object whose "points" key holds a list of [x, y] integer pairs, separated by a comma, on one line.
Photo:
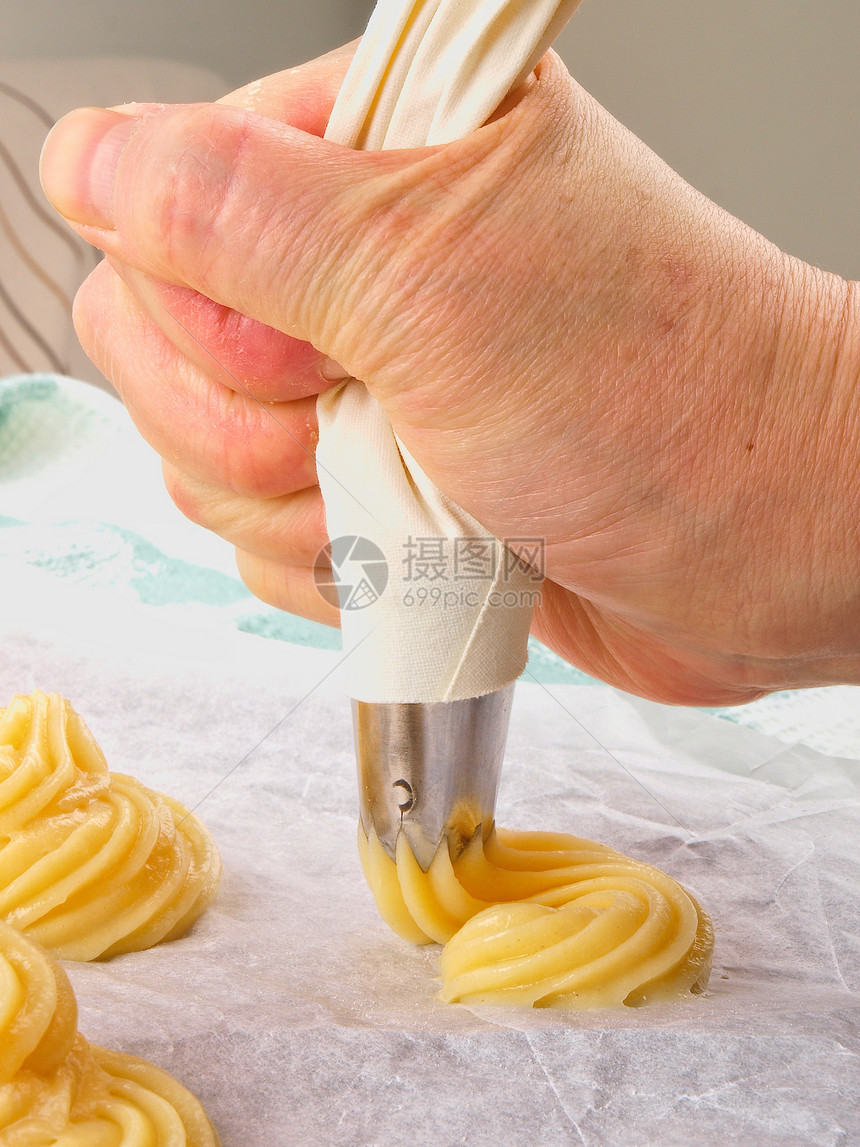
{"points": [[81, 499]]}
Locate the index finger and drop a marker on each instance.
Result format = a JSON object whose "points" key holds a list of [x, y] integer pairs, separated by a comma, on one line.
{"points": [[302, 96]]}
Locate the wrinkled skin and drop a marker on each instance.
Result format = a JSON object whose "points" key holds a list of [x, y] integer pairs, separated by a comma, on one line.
{"points": [[570, 340]]}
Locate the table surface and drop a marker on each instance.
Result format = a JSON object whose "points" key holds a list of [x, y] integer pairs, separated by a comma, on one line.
{"points": [[290, 1009]]}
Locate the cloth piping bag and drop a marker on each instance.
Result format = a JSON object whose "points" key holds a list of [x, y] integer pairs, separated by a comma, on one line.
{"points": [[452, 619]]}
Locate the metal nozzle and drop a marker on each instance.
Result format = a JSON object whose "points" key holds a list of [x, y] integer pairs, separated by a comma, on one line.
{"points": [[430, 770]]}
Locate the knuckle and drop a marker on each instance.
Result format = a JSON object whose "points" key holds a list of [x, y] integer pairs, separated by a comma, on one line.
{"points": [[186, 201], [92, 309], [246, 471], [184, 493], [262, 454], [256, 573]]}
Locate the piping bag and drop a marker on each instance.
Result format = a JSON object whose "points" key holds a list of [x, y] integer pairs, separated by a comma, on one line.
{"points": [[435, 612]]}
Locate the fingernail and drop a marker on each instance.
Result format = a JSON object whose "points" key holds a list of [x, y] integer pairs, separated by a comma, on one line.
{"points": [[79, 162], [332, 371]]}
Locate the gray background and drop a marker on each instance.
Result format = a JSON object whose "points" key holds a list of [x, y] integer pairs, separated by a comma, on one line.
{"points": [[755, 102]]}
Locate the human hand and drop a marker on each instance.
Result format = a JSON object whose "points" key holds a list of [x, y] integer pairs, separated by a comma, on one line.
{"points": [[571, 342], [227, 401]]}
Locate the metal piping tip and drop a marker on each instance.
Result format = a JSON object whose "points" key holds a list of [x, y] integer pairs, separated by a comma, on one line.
{"points": [[430, 770]]}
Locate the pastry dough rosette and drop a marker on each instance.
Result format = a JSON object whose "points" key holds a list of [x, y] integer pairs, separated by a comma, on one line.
{"points": [[57, 1090], [92, 863], [544, 919]]}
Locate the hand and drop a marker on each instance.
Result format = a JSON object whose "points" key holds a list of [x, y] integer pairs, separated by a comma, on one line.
{"points": [[571, 341], [228, 402]]}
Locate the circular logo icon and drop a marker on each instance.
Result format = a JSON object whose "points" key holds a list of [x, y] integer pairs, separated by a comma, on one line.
{"points": [[351, 572]]}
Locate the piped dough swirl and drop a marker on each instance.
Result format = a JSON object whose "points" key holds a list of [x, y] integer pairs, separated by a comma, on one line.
{"points": [[58, 1089], [544, 919], [92, 863]]}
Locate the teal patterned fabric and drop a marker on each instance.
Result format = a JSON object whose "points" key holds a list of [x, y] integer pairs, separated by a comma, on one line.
{"points": [[81, 498], [53, 430], [50, 425]]}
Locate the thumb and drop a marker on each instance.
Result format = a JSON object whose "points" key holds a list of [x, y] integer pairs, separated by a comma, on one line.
{"points": [[255, 214], [385, 261]]}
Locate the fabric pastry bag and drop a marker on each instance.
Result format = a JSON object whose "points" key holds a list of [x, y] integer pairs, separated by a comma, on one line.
{"points": [[433, 608]]}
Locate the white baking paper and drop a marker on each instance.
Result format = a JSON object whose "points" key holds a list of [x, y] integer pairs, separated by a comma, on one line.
{"points": [[298, 1018]]}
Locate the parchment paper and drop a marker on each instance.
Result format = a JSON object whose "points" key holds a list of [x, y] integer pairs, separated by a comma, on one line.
{"points": [[298, 1018]]}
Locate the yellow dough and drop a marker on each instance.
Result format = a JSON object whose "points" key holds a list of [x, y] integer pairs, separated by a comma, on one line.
{"points": [[92, 863], [544, 919], [57, 1090]]}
